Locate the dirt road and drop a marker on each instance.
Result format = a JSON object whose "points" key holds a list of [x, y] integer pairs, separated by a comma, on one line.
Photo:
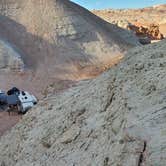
{"points": [[6, 121]]}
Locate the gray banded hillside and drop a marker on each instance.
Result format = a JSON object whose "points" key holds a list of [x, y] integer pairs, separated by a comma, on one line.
{"points": [[62, 35]]}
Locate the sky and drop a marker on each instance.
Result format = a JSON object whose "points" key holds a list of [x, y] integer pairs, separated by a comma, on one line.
{"points": [[103, 4]]}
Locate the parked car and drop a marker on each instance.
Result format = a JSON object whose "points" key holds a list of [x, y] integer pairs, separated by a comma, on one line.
{"points": [[27, 101], [3, 97], [18, 100]]}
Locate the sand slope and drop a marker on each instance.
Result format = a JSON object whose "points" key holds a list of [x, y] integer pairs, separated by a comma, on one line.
{"points": [[115, 119]]}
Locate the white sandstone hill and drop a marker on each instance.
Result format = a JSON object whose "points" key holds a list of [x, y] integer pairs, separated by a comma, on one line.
{"points": [[115, 119]]}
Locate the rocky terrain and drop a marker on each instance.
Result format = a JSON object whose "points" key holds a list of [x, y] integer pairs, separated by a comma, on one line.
{"points": [[56, 40], [115, 119], [149, 23], [147, 34]]}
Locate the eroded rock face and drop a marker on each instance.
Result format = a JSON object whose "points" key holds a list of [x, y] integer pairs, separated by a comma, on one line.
{"points": [[145, 33], [152, 32], [9, 58], [115, 119]]}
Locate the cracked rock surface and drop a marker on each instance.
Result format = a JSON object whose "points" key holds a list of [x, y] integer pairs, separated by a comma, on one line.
{"points": [[115, 119]]}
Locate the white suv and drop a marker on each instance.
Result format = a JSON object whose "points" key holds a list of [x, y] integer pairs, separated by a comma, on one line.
{"points": [[3, 97], [27, 101]]}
